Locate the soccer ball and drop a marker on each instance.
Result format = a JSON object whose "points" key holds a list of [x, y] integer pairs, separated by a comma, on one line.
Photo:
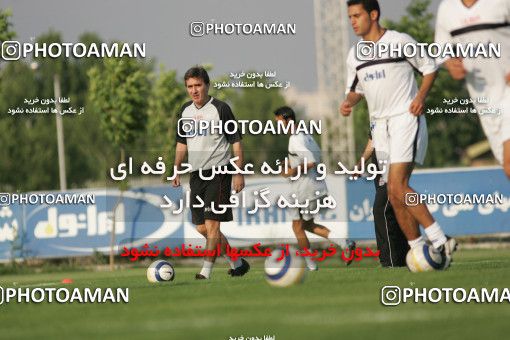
{"points": [[286, 272], [160, 271], [424, 259]]}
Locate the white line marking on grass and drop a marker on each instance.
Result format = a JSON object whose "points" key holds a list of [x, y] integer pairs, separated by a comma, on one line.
{"points": [[36, 284]]}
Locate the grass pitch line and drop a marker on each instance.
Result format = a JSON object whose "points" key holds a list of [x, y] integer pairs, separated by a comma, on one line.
{"points": [[44, 284]]}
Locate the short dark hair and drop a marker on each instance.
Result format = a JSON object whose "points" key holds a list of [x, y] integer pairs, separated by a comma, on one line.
{"points": [[197, 72], [368, 5], [286, 112]]}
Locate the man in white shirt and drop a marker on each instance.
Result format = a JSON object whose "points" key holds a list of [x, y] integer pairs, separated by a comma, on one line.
{"points": [[482, 22], [303, 148], [396, 106]]}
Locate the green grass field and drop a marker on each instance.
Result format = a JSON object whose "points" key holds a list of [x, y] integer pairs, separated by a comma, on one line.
{"points": [[334, 303]]}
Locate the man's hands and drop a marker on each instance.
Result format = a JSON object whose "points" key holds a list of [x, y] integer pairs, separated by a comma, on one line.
{"points": [[238, 182], [345, 108], [180, 153], [290, 172], [352, 99], [176, 182], [238, 179], [456, 68], [417, 105]]}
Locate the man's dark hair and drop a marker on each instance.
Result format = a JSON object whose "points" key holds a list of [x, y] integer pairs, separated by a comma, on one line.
{"points": [[197, 72], [368, 5], [286, 112]]}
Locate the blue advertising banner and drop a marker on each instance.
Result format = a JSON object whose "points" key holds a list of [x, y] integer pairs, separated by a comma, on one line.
{"points": [[59, 230], [435, 187]]}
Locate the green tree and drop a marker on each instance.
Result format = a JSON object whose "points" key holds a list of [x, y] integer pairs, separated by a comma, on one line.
{"points": [[84, 144], [167, 96], [5, 25], [88, 151], [120, 91], [20, 168]]}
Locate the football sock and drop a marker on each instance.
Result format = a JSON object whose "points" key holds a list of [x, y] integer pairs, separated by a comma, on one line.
{"points": [[233, 264], [417, 242], [436, 235], [310, 263], [230, 262], [207, 269], [337, 239]]}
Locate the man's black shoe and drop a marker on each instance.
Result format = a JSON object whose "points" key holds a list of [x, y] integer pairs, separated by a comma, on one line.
{"points": [[241, 270]]}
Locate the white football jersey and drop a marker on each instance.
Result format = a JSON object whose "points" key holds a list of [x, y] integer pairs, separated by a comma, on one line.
{"points": [[485, 21], [303, 146], [388, 84]]}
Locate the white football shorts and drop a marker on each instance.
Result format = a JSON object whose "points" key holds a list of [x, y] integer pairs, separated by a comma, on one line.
{"points": [[497, 125], [400, 139]]}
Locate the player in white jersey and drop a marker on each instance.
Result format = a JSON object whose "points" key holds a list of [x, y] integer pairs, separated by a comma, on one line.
{"points": [[482, 22], [303, 148], [395, 105]]}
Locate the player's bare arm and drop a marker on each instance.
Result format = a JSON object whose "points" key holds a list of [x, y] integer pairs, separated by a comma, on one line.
{"points": [[456, 68], [367, 153], [418, 103], [238, 179], [350, 101], [180, 154]]}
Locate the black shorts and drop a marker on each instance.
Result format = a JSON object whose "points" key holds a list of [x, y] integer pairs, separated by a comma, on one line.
{"points": [[216, 190]]}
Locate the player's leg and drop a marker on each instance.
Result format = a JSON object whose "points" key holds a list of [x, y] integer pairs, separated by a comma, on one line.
{"points": [[381, 202], [398, 243], [322, 231], [198, 187], [316, 229], [212, 228], [408, 139], [214, 236], [299, 232], [303, 242], [201, 229], [223, 248], [398, 189], [218, 192]]}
